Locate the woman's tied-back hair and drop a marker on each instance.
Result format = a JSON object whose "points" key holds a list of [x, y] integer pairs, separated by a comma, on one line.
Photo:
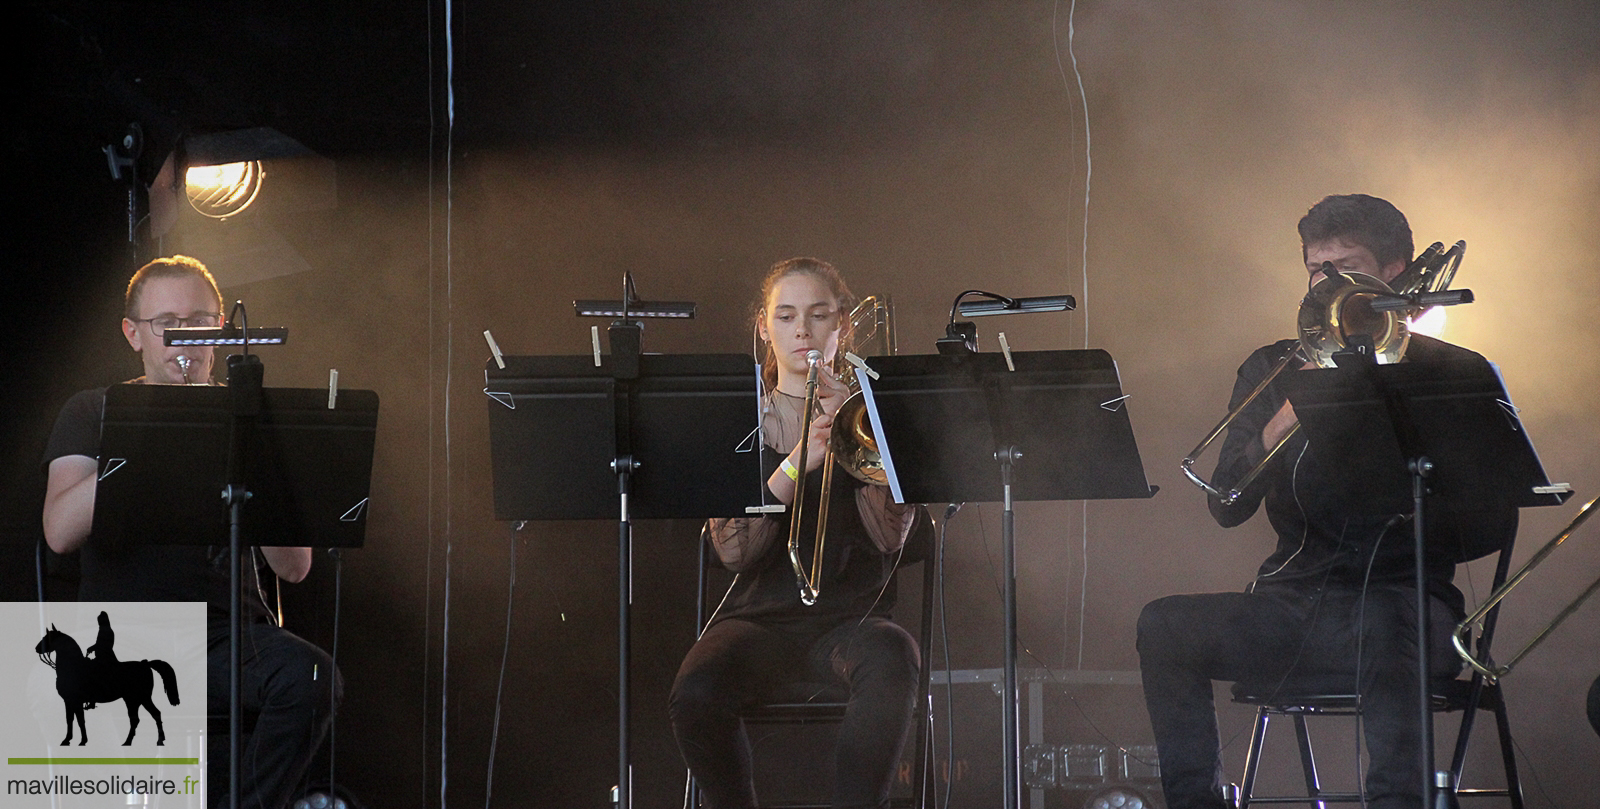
{"points": [[818, 268]]}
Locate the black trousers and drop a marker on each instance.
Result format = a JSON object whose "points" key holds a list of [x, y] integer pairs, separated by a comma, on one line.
{"points": [[738, 662], [291, 687], [1264, 637]]}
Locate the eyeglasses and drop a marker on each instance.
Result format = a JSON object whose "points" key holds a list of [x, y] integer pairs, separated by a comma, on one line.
{"points": [[159, 325]]}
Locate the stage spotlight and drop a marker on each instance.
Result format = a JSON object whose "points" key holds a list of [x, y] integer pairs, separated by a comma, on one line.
{"points": [[320, 796], [320, 800], [225, 171], [224, 190], [1120, 796]]}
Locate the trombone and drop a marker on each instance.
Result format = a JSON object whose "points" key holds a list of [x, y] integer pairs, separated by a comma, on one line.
{"points": [[850, 441], [1339, 306], [1475, 620]]}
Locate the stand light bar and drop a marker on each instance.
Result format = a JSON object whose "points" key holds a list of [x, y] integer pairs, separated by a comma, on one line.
{"points": [[616, 308], [234, 336], [1421, 300], [1008, 306]]}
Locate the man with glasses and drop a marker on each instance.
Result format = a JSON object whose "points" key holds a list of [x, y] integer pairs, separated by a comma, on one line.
{"points": [[285, 680]]}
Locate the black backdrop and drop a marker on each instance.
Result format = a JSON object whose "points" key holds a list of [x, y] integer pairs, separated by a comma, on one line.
{"points": [[926, 148]]}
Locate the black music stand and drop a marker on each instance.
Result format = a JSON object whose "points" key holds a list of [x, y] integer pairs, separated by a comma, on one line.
{"points": [[167, 451], [1055, 428], [1439, 431], [651, 436], [163, 459]]}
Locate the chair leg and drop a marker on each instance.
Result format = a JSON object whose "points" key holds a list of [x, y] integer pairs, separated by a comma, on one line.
{"points": [[1464, 734], [924, 741], [1308, 762], [924, 727], [1252, 758], [1508, 751]]}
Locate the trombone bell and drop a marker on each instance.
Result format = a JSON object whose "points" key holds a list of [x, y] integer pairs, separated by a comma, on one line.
{"points": [[1335, 311], [852, 443]]}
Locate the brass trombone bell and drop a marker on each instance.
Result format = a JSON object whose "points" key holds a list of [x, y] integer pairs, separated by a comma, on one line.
{"points": [[1341, 306], [852, 443], [1475, 620], [1336, 309]]}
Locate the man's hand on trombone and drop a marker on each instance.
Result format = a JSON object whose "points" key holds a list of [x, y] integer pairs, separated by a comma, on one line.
{"points": [[1282, 422]]}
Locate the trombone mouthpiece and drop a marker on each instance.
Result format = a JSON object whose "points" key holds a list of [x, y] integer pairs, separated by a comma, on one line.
{"points": [[183, 365], [813, 357]]}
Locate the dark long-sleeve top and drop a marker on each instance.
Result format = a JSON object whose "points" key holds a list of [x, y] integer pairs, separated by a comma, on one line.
{"points": [[1321, 537], [866, 539], [857, 578]]}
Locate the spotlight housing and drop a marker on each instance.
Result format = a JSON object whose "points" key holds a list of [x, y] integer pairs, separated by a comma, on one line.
{"points": [[223, 190]]}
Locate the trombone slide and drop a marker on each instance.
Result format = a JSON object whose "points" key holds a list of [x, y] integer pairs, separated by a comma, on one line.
{"points": [[1488, 668], [807, 582], [1230, 496]]}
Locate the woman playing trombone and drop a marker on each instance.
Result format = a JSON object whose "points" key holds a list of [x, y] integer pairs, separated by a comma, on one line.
{"points": [[762, 637]]}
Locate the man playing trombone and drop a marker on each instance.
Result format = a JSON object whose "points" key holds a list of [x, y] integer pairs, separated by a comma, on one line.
{"points": [[280, 672], [1335, 601]]}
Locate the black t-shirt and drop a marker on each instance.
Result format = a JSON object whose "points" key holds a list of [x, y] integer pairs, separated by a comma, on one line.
{"points": [[140, 571]]}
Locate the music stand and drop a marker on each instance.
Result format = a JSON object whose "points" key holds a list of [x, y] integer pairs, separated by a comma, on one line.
{"points": [[651, 436], [1402, 434], [163, 458], [1055, 428], [167, 451], [554, 429]]}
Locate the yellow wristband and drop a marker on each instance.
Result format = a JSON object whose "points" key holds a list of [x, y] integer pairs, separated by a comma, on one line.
{"points": [[788, 469]]}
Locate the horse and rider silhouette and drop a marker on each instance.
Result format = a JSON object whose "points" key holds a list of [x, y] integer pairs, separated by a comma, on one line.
{"points": [[84, 682]]}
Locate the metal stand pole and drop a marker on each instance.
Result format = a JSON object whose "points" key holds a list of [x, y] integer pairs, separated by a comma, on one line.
{"points": [[245, 376], [1420, 468], [624, 467], [1009, 724], [236, 499]]}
